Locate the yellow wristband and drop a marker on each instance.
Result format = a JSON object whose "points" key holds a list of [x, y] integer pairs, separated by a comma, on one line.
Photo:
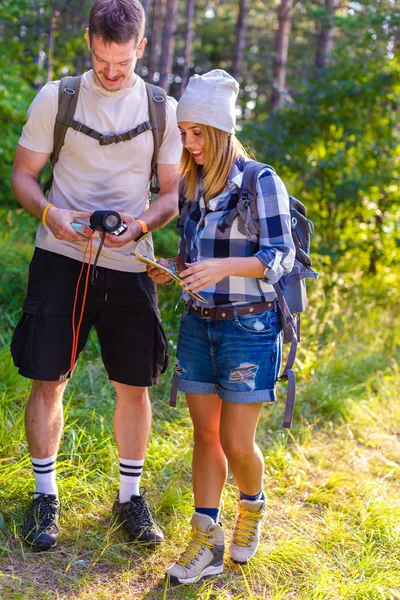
{"points": [[45, 213]]}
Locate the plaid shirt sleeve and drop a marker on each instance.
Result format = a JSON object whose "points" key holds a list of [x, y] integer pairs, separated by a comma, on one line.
{"points": [[277, 249], [181, 225]]}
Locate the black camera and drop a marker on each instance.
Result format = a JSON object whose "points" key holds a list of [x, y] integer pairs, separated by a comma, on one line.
{"points": [[107, 221]]}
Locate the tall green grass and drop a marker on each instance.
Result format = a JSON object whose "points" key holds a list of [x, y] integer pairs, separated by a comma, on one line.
{"points": [[333, 481]]}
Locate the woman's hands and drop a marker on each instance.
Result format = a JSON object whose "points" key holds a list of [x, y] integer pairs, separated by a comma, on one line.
{"points": [[158, 275], [201, 275], [205, 273]]}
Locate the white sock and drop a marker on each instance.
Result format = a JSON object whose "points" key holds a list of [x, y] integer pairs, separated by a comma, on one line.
{"points": [[130, 472], [44, 471]]}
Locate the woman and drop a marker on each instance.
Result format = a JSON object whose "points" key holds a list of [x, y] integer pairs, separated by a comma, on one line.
{"points": [[229, 351]]}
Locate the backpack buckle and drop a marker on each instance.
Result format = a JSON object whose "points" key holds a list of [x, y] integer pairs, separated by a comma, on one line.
{"points": [[244, 199], [76, 126], [146, 126], [106, 140], [68, 90], [158, 98]]}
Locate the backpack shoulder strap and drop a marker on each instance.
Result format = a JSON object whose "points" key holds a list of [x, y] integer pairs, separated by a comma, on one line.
{"points": [[290, 324], [251, 172], [158, 116], [67, 100]]}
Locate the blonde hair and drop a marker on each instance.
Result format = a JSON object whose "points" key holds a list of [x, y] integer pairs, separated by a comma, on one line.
{"points": [[221, 150]]}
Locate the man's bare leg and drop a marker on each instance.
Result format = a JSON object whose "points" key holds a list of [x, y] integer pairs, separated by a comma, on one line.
{"points": [[44, 418], [132, 423], [44, 424]]}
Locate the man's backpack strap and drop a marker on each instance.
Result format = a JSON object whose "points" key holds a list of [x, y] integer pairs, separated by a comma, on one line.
{"points": [[67, 101], [68, 94], [157, 115]]}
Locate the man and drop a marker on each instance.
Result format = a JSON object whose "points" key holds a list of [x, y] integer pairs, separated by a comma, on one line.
{"points": [[122, 303]]}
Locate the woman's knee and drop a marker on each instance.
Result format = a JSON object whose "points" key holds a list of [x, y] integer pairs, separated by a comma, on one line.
{"points": [[237, 450], [206, 436]]}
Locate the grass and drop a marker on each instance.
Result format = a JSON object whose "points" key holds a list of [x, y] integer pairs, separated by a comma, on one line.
{"points": [[333, 482]]}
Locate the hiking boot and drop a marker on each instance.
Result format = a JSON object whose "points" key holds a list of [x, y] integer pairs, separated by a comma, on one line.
{"points": [[135, 516], [204, 554], [41, 523], [247, 531]]}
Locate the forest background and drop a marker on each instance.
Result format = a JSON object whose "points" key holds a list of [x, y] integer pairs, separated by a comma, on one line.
{"points": [[319, 100]]}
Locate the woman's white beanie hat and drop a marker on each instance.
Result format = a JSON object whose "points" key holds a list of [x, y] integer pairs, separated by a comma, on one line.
{"points": [[210, 99]]}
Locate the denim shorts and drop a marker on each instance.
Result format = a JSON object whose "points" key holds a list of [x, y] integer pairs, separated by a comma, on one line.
{"points": [[237, 359]]}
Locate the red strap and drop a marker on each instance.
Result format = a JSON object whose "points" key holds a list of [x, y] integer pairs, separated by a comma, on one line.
{"points": [[76, 330]]}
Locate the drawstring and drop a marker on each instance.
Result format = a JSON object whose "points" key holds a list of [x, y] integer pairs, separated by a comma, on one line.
{"points": [[76, 329], [94, 270]]}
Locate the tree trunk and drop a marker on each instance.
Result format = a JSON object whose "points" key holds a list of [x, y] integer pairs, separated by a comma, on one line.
{"points": [[168, 43], [188, 35], [38, 54], [50, 51], [146, 8], [238, 51], [39, 61], [376, 253], [325, 35], [79, 64], [155, 41], [281, 53]]}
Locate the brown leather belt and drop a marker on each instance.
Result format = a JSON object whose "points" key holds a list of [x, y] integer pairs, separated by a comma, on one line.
{"points": [[227, 312]]}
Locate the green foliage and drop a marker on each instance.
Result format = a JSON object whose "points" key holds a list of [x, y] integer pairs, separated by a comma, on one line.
{"points": [[338, 149], [333, 481], [166, 241]]}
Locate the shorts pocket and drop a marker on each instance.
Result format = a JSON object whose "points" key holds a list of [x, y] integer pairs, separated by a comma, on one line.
{"points": [[23, 340], [260, 324], [161, 350]]}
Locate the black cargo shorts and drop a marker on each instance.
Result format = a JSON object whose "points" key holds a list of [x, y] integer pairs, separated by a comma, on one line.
{"points": [[121, 306]]}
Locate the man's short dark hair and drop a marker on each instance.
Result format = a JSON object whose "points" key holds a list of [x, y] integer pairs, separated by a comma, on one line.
{"points": [[117, 21]]}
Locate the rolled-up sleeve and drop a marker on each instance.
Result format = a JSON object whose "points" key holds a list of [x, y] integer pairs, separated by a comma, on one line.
{"points": [[277, 249], [181, 226]]}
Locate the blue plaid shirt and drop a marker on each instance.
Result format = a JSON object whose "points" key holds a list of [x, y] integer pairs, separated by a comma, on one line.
{"points": [[201, 238]]}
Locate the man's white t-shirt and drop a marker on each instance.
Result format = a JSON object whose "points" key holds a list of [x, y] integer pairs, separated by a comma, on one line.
{"points": [[91, 177]]}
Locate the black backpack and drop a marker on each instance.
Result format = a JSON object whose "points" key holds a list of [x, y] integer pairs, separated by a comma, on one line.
{"points": [[291, 289], [67, 100]]}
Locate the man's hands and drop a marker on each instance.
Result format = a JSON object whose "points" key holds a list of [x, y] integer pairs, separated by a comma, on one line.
{"points": [[59, 222], [131, 233], [203, 274]]}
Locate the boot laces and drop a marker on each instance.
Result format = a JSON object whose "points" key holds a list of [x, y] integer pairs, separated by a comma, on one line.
{"points": [[197, 542], [246, 526], [139, 512], [46, 510]]}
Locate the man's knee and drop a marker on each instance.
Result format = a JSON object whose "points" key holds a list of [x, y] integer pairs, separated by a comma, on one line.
{"points": [[50, 392], [131, 393]]}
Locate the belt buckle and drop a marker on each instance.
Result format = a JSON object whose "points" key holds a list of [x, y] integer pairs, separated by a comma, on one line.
{"points": [[204, 312]]}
